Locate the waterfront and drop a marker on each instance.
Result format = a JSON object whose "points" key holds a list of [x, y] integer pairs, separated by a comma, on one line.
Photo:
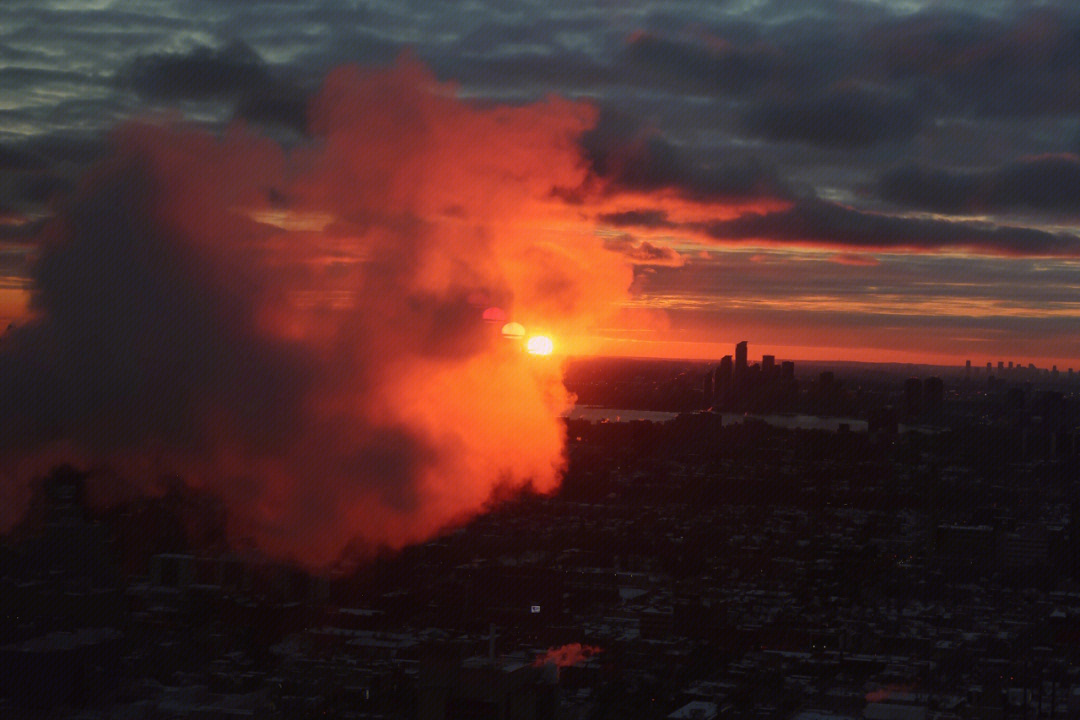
{"points": [[804, 422]]}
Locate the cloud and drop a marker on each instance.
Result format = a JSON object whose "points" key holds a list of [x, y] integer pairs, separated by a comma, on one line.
{"points": [[643, 252], [821, 223], [201, 73], [630, 157], [645, 218], [844, 118], [282, 106], [233, 72], [720, 67], [1019, 65], [299, 332], [856, 259], [1050, 182]]}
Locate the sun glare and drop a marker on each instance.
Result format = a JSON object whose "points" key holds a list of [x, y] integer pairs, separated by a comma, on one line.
{"points": [[539, 345]]}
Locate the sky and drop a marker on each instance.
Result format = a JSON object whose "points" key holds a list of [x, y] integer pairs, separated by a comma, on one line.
{"points": [[253, 243], [878, 180]]}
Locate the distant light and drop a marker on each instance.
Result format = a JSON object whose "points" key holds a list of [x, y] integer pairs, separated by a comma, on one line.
{"points": [[540, 345], [534, 609], [513, 330]]}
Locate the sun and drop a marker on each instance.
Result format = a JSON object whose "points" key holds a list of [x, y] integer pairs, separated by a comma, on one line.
{"points": [[539, 345]]}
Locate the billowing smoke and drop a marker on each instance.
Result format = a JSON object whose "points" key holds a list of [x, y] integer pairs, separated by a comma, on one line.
{"points": [[300, 331], [567, 655]]}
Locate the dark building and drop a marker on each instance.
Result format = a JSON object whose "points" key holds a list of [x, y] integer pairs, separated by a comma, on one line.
{"points": [[740, 360], [933, 396], [723, 381], [912, 397], [787, 370], [487, 689], [768, 366]]}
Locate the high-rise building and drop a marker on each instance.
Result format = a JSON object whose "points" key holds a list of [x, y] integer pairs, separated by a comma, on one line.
{"points": [[722, 383], [933, 396], [740, 359], [912, 397], [768, 366]]}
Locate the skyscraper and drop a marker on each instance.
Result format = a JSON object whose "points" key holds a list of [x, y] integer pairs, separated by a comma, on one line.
{"points": [[912, 397], [722, 384], [933, 396], [740, 359]]}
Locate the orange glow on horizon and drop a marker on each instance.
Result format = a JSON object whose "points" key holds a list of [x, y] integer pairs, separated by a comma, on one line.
{"points": [[672, 349]]}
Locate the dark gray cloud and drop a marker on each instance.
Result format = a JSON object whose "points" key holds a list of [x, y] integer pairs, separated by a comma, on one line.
{"points": [[637, 218], [232, 73], [847, 117], [1019, 65], [282, 106], [717, 68], [631, 156], [1042, 183], [817, 222], [199, 74], [643, 252]]}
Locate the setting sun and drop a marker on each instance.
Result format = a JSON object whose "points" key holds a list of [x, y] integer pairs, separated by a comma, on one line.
{"points": [[539, 345]]}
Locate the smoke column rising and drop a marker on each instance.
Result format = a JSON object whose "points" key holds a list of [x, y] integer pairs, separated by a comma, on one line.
{"points": [[299, 331]]}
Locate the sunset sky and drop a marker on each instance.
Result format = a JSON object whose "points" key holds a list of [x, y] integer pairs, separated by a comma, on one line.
{"points": [[869, 180], [261, 244]]}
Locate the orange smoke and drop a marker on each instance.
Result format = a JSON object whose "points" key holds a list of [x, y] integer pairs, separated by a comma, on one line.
{"points": [[300, 331], [567, 655]]}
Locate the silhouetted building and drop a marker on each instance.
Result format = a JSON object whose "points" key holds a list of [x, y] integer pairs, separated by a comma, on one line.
{"points": [[883, 419], [933, 396], [723, 381], [787, 370], [768, 366], [912, 397], [740, 362]]}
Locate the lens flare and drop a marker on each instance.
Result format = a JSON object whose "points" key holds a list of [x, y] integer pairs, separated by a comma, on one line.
{"points": [[539, 345], [513, 331]]}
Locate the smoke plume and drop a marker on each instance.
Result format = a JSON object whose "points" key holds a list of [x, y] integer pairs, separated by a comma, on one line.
{"points": [[299, 331]]}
